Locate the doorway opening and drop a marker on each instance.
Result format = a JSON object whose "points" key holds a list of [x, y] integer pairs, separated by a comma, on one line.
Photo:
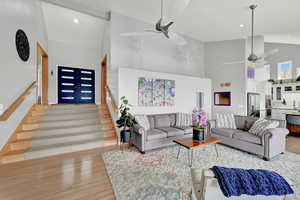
{"points": [[103, 80], [42, 76]]}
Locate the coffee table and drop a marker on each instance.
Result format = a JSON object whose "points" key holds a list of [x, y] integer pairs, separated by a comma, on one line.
{"points": [[190, 144]]}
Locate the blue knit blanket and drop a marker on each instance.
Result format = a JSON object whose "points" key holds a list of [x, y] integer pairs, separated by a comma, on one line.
{"points": [[236, 182]]}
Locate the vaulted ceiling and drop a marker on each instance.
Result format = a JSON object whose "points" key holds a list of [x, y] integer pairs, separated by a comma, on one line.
{"points": [[210, 20], [71, 27]]}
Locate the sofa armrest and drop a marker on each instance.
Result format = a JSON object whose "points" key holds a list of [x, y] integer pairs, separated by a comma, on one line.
{"points": [[139, 137], [211, 124], [138, 129], [274, 140], [275, 132]]}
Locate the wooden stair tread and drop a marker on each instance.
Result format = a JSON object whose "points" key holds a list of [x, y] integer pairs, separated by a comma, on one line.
{"points": [[16, 152], [101, 138]]}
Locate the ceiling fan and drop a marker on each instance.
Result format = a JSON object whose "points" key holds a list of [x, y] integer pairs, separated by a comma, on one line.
{"points": [[253, 57], [161, 28]]}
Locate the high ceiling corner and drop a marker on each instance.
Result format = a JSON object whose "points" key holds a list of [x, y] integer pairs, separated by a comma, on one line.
{"points": [[206, 20]]}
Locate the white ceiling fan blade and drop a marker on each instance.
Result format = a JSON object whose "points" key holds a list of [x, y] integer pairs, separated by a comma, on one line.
{"points": [[152, 31], [234, 62], [262, 62], [175, 8], [177, 39], [270, 53], [145, 33]]}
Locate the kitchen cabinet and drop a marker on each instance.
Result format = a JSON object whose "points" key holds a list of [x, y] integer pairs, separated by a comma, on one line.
{"points": [[278, 93]]}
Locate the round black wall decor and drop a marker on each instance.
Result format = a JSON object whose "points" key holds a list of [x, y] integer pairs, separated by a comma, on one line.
{"points": [[22, 45]]}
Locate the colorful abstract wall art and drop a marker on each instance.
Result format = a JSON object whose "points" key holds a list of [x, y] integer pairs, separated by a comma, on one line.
{"points": [[156, 92]]}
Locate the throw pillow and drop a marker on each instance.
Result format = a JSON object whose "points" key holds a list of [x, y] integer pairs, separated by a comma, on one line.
{"points": [[143, 121], [261, 125], [183, 119], [226, 121]]}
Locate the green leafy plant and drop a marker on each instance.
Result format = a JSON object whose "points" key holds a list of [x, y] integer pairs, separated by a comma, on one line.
{"points": [[126, 120]]}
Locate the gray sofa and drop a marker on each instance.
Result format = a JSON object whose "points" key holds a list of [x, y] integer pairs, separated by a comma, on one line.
{"points": [[269, 145], [162, 132]]}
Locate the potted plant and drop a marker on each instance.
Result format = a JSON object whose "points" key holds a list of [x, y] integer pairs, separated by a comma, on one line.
{"points": [[126, 120], [199, 118]]}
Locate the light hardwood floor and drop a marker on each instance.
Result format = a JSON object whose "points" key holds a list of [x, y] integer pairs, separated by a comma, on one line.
{"points": [[73, 176], [293, 144]]}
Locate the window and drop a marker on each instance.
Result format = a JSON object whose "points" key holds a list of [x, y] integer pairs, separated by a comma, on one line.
{"points": [[285, 70]]}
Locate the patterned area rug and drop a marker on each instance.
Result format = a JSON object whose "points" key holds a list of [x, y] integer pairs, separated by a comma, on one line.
{"points": [[160, 176]]}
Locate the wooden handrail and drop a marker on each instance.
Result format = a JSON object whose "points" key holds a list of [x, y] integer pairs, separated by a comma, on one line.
{"points": [[113, 102], [13, 107]]}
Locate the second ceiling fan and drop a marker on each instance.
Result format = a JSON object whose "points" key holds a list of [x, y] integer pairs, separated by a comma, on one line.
{"points": [[160, 28], [253, 57]]}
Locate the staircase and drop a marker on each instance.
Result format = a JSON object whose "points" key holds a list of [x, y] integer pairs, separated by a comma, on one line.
{"points": [[62, 129]]}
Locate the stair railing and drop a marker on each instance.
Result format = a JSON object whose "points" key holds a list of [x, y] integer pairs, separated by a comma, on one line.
{"points": [[14, 106], [112, 100]]}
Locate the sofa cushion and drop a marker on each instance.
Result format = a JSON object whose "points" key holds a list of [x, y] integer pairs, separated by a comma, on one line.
{"points": [[154, 134], [227, 132], [249, 123], [171, 132], [248, 137], [244, 122], [162, 121], [186, 129], [240, 122]]}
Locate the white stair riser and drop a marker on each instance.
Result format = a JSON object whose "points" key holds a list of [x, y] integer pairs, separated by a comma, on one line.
{"points": [[66, 131], [67, 149], [73, 138], [61, 124]]}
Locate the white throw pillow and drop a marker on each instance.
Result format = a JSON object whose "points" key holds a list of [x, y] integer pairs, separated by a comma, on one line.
{"points": [[143, 121], [183, 119], [261, 125], [226, 121]]}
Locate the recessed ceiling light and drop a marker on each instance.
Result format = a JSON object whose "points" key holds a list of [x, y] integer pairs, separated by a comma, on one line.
{"points": [[242, 25], [75, 20]]}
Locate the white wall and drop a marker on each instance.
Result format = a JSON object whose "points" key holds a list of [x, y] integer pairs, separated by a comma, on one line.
{"points": [[150, 53], [17, 75], [73, 44], [287, 52], [186, 89], [65, 54], [217, 54]]}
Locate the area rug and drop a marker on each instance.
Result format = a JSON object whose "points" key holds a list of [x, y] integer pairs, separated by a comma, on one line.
{"points": [[160, 176]]}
